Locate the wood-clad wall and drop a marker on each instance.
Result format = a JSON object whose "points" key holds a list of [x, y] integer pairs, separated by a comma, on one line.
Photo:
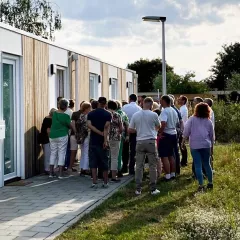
{"points": [[36, 100], [105, 76], [124, 97], [135, 84], [83, 73], [72, 80], [119, 84]]}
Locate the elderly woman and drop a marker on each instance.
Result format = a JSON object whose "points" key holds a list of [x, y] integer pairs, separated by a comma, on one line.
{"points": [[61, 123], [199, 129], [45, 130]]}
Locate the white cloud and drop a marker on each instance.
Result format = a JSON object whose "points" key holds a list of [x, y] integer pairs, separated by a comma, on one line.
{"points": [[190, 47]]}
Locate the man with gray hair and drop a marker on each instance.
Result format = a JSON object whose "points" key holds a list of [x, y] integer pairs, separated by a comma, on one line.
{"points": [[145, 124]]}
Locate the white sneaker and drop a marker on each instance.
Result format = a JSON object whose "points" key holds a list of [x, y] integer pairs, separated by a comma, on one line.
{"points": [[155, 192], [138, 192], [105, 185]]}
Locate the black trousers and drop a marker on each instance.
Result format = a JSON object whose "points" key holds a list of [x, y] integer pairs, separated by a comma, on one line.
{"points": [[177, 157], [132, 144], [183, 152], [125, 157]]}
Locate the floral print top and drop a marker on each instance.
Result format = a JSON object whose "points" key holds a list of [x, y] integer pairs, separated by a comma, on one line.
{"points": [[115, 134]]}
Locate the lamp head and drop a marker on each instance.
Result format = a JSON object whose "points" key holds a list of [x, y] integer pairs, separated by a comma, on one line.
{"points": [[154, 19]]}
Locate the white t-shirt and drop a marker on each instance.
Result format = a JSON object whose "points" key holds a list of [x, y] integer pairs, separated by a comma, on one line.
{"points": [[69, 112], [212, 117], [169, 115], [130, 109], [184, 113], [145, 123]]}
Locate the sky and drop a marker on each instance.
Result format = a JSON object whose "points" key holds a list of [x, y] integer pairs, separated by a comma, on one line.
{"points": [[113, 30]]}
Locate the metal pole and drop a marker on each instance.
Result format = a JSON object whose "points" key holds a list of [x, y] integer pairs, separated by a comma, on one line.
{"points": [[164, 84]]}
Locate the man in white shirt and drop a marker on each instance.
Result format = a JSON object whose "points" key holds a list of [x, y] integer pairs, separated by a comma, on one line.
{"points": [[130, 109], [209, 102], [182, 102], [145, 123], [168, 137]]}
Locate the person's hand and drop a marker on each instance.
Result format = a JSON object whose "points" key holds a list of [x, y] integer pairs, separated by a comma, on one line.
{"points": [[183, 145], [102, 134], [105, 145], [127, 139]]}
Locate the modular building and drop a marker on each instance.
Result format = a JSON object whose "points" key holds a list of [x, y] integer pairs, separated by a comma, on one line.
{"points": [[33, 73]]}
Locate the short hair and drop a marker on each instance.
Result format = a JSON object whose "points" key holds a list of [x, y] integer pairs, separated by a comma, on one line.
{"points": [[52, 111], [202, 110], [71, 103], [119, 104], [184, 98], [92, 99], [124, 102], [166, 99], [148, 100], [155, 106], [85, 106], [209, 101], [112, 105], [171, 96], [63, 104], [102, 100], [59, 98], [157, 111], [198, 99], [133, 97], [171, 100], [143, 97], [82, 103], [94, 104]]}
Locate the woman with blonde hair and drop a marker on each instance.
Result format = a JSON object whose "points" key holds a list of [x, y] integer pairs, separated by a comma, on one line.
{"points": [[44, 138], [83, 138]]}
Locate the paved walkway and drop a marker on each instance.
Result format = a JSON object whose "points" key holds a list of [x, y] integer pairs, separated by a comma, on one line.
{"points": [[47, 207]]}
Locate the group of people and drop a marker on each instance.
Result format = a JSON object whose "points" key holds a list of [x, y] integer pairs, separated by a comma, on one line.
{"points": [[120, 137]]}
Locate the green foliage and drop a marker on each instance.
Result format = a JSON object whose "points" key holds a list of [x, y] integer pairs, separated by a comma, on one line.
{"points": [[227, 63], [147, 71], [177, 84], [34, 16], [227, 125], [234, 82]]}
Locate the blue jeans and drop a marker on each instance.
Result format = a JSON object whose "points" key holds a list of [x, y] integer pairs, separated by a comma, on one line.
{"points": [[201, 157]]}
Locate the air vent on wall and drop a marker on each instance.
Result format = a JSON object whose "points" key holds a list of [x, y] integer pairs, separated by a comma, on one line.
{"points": [[99, 79], [53, 68], [127, 84], [110, 81]]}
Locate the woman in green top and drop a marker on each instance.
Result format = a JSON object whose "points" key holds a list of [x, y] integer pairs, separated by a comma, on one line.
{"points": [[124, 136], [61, 123]]}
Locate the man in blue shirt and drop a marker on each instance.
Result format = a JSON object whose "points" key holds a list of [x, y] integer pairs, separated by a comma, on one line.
{"points": [[99, 123]]}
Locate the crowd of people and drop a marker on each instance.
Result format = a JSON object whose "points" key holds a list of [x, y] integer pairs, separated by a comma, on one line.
{"points": [[116, 138]]}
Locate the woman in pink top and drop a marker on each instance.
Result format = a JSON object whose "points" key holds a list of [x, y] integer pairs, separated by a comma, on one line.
{"points": [[199, 129]]}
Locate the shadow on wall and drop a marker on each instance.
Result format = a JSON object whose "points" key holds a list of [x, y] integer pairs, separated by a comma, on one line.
{"points": [[34, 162]]}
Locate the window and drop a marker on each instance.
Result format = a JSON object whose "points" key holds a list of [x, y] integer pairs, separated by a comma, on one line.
{"points": [[114, 89], [60, 82], [130, 88], [93, 86]]}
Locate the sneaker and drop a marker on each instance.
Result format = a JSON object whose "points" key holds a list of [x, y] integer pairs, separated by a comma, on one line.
{"points": [[94, 186], [115, 180], [105, 185], [52, 176], [200, 189], [60, 177], [138, 192], [155, 192], [210, 186]]}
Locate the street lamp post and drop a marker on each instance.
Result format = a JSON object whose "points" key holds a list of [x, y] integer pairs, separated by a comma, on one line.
{"points": [[163, 20]]}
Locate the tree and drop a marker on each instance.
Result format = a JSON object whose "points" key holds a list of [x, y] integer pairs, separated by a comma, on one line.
{"points": [[34, 16], [226, 64], [147, 71], [234, 82], [177, 84]]}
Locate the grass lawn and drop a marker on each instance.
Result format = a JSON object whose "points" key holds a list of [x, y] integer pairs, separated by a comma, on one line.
{"points": [[177, 213]]}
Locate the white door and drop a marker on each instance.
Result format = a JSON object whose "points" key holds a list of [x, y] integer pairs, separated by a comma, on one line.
{"points": [[8, 85]]}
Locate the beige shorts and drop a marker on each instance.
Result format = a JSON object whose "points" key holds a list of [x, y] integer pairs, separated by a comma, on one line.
{"points": [[73, 143]]}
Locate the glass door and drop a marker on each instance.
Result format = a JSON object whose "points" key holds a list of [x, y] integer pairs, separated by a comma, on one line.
{"points": [[8, 103]]}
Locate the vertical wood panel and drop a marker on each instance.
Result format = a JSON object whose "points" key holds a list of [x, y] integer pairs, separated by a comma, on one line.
{"points": [[105, 81], [135, 84], [84, 79], [73, 80], [124, 97], [119, 84]]}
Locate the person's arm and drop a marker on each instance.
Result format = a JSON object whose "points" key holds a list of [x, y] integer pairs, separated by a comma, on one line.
{"points": [[157, 123], [120, 125], [211, 135], [94, 129], [187, 131], [106, 134], [163, 118], [132, 128]]}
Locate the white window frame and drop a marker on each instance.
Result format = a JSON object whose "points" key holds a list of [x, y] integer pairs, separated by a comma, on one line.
{"points": [[114, 81], [18, 101], [96, 85]]}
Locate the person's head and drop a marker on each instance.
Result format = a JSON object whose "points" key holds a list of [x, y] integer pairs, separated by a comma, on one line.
{"points": [[171, 101], [197, 100], [81, 104], [165, 101], [182, 100], [94, 104], [102, 102], [86, 107], [155, 106], [63, 104], [133, 98], [52, 111], [157, 111], [202, 110], [124, 102], [112, 105], [71, 103], [92, 99], [58, 100], [172, 96], [119, 104], [148, 103], [209, 102]]}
